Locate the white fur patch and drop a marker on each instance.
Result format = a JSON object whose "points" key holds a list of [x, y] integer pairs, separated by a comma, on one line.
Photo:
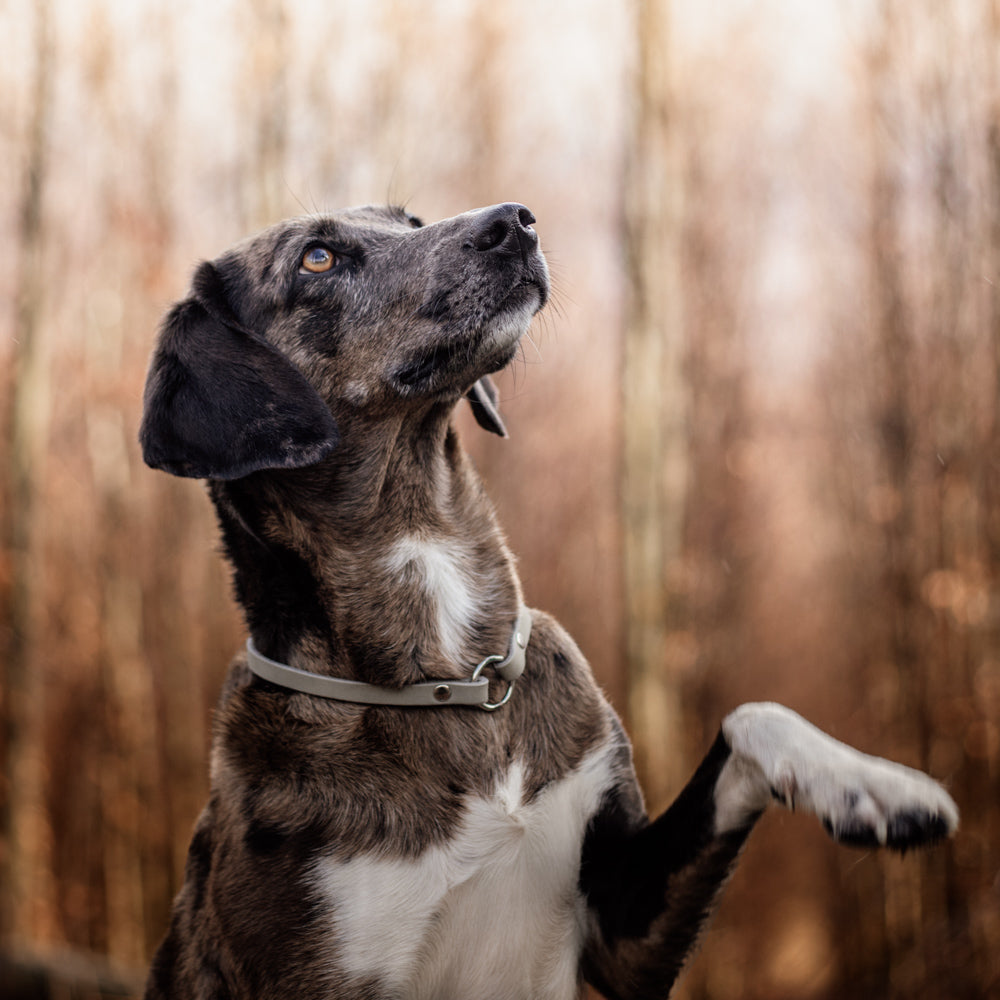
{"points": [[776, 753], [509, 327], [441, 565], [493, 913]]}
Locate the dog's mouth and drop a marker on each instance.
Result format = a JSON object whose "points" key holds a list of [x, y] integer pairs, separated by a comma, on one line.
{"points": [[532, 290], [454, 362], [423, 365]]}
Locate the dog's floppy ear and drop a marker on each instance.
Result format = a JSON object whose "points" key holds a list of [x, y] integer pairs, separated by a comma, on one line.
{"points": [[221, 403], [485, 406]]}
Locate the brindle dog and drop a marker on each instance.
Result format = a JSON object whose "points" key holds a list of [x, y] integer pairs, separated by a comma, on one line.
{"points": [[379, 851]]}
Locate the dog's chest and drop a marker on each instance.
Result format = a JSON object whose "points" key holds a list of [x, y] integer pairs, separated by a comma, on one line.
{"points": [[494, 911]]}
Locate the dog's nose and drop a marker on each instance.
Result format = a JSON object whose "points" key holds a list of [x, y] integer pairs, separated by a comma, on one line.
{"points": [[505, 229]]}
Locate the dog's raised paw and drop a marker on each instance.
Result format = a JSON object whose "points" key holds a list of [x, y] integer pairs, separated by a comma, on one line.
{"points": [[861, 800]]}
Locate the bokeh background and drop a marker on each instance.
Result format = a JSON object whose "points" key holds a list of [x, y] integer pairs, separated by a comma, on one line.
{"points": [[754, 440]]}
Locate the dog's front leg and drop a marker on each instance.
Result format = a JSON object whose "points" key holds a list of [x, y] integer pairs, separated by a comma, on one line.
{"points": [[651, 887]]}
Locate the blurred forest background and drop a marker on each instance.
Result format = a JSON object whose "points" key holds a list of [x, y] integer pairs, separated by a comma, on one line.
{"points": [[754, 443]]}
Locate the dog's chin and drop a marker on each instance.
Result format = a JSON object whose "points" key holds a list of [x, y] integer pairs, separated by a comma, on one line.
{"points": [[453, 364], [502, 337]]}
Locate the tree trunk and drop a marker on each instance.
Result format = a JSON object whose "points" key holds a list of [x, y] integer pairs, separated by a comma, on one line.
{"points": [[266, 107], [654, 403], [24, 824]]}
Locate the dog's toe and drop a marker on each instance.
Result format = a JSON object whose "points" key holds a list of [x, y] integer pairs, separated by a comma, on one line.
{"points": [[915, 829], [853, 833], [900, 831]]}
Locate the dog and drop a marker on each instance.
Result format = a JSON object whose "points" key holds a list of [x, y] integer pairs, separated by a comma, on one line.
{"points": [[417, 788]]}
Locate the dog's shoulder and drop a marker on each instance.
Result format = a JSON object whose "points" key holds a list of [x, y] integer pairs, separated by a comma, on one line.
{"points": [[559, 682]]}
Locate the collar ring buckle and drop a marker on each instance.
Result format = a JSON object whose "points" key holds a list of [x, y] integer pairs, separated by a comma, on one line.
{"points": [[492, 706]]}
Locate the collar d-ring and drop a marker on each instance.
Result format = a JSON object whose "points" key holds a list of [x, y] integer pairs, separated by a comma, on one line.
{"points": [[511, 667]]}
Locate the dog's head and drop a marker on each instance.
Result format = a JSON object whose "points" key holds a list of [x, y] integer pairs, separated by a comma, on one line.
{"points": [[365, 310]]}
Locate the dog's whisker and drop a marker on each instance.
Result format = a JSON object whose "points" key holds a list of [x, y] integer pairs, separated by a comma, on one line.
{"points": [[522, 353]]}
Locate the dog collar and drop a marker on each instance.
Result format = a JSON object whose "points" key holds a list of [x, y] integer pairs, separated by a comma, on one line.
{"points": [[433, 694]]}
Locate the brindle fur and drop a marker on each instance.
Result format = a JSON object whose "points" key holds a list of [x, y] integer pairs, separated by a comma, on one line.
{"points": [[319, 408]]}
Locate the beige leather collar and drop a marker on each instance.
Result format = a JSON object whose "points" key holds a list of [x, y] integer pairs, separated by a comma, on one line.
{"points": [[427, 694]]}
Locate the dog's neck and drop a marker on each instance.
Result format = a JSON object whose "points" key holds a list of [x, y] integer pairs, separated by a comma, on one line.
{"points": [[383, 563]]}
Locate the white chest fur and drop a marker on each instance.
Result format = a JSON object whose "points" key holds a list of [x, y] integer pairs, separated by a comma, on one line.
{"points": [[495, 912]]}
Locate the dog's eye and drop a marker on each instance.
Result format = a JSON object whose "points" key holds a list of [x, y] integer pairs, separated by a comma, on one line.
{"points": [[318, 259]]}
